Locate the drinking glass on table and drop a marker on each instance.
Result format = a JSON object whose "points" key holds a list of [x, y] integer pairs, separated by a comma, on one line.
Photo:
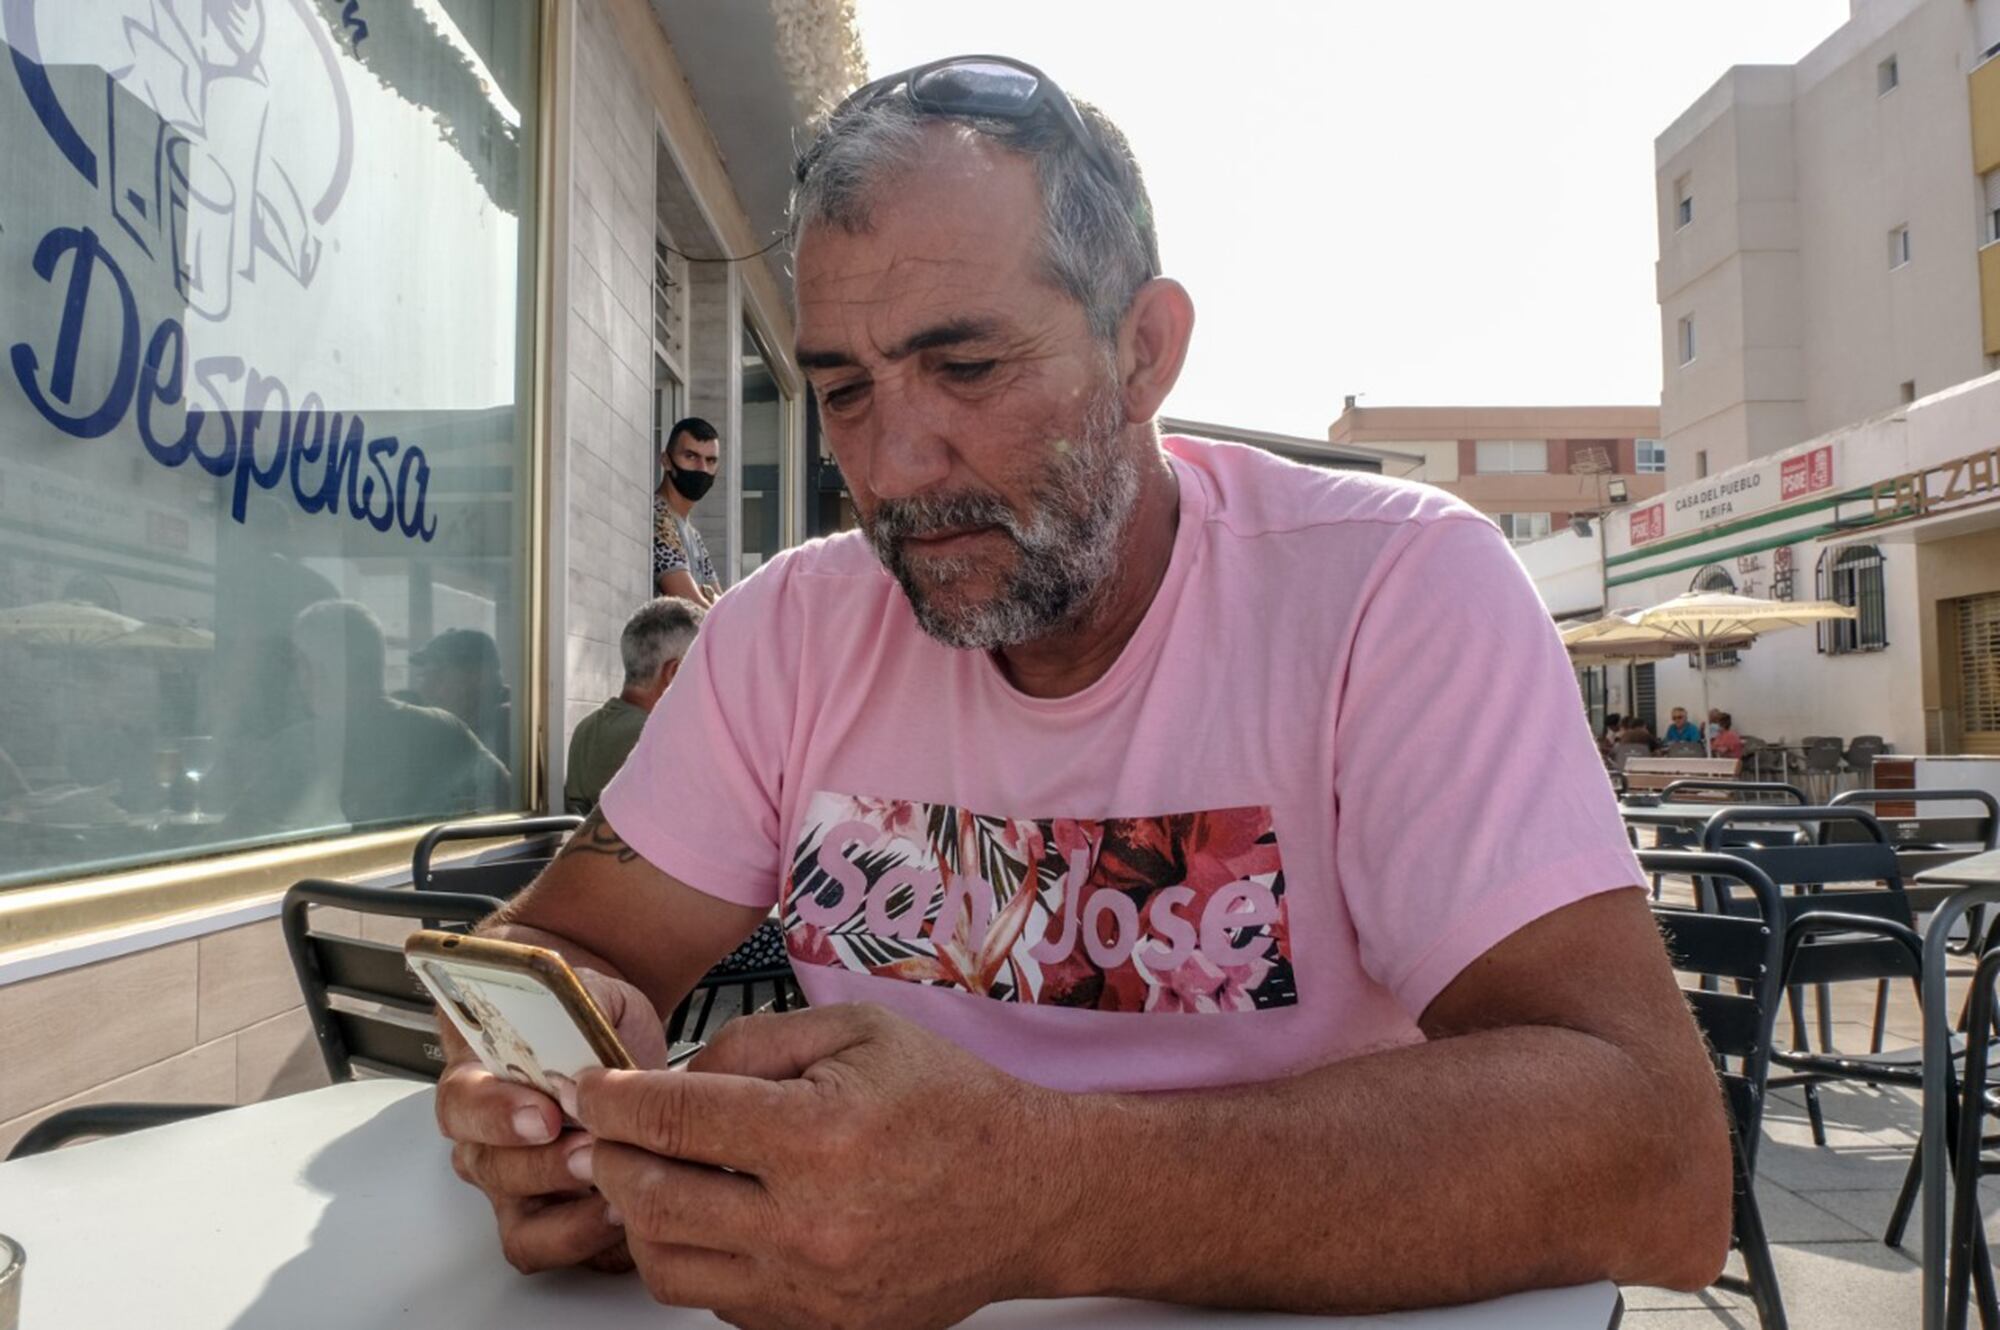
{"points": [[11, 1260]]}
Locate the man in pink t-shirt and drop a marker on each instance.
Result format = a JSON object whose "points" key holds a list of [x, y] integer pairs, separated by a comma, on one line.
{"points": [[1096, 766]]}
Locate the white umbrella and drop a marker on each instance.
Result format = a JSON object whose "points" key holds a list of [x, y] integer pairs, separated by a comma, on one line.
{"points": [[1705, 620], [163, 637], [63, 623]]}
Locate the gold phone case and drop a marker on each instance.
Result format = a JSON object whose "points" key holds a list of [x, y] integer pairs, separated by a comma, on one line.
{"points": [[539, 964]]}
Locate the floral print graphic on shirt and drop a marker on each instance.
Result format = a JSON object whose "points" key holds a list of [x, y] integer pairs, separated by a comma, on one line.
{"points": [[1182, 912]]}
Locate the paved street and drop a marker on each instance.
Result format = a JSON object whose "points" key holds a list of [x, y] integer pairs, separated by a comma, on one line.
{"points": [[1826, 1207]]}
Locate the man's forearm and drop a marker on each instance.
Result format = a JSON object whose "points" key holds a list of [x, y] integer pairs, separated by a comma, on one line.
{"points": [[1446, 1172]]}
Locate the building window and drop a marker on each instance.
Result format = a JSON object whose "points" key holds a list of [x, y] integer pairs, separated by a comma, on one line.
{"points": [[1908, 391], [1852, 575], [1523, 527], [1886, 77], [1989, 225], [1899, 247], [1685, 339], [1683, 203], [1714, 577], [1512, 457], [1700, 463], [267, 485], [1649, 457]]}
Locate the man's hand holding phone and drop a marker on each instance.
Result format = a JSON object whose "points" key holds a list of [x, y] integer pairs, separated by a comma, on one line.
{"points": [[510, 1143]]}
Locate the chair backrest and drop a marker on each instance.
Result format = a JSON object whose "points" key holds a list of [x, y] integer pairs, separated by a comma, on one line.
{"points": [[401, 1039], [1746, 949], [1685, 748], [1973, 831], [1821, 759], [1861, 878], [1821, 741], [492, 877], [1698, 790], [1622, 754]]}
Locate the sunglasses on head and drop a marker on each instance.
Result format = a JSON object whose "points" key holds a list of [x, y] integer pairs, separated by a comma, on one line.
{"points": [[991, 86]]}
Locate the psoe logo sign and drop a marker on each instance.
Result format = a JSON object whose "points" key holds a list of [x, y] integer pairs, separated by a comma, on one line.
{"points": [[1649, 523], [1806, 474]]}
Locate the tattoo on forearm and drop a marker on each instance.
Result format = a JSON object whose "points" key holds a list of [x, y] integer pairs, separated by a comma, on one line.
{"points": [[595, 836]]}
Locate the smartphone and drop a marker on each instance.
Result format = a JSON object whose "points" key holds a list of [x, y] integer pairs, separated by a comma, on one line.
{"points": [[521, 1008]]}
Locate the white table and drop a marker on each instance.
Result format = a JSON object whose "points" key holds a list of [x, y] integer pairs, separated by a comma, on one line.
{"points": [[338, 1208], [1691, 816]]}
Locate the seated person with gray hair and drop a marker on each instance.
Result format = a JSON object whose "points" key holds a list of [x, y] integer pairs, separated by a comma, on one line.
{"points": [[653, 644]]}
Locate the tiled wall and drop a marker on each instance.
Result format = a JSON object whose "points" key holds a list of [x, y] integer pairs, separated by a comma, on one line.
{"points": [[214, 1020], [608, 450]]}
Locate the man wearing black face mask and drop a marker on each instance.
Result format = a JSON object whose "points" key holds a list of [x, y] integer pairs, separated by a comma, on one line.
{"points": [[681, 566]]}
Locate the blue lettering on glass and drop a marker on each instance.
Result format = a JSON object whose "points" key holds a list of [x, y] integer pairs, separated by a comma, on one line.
{"points": [[90, 253], [350, 18], [222, 441], [266, 181], [20, 15], [166, 360]]}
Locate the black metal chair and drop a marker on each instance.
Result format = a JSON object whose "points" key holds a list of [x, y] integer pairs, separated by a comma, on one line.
{"points": [[1862, 750], [1927, 840], [368, 1011], [1931, 841], [1695, 788], [760, 961], [1723, 790], [1861, 879], [1824, 761], [1968, 1263], [502, 877], [1736, 961]]}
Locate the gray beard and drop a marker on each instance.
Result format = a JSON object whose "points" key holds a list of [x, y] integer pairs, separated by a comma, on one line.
{"points": [[1068, 550]]}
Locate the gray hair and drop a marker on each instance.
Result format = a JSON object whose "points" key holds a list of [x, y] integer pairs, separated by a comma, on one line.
{"points": [[662, 630], [343, 639], [1098, 242]]}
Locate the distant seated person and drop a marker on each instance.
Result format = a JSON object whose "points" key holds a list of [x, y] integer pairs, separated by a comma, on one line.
{"points": [[654, 642], [459, 671], [1636, 731], [1726, 742], [358, 755], [1681, 730]]}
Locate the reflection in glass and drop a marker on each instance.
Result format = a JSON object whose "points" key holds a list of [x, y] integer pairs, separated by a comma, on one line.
{"points": [[262, 279]]}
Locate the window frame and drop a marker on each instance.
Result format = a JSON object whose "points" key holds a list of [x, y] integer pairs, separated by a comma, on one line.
{"points": [[70, 918], [1714, 577], [1852, 574], [1684, 339], [1639, 466], [1480, 446], [1505, 521]]}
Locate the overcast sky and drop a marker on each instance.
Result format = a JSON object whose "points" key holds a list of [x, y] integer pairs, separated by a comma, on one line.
{"points": [[1436, 203]]}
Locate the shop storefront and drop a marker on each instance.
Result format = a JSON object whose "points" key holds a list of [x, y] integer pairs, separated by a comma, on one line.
{"points": [[1897, 516], [267, 297], [336, 341]]}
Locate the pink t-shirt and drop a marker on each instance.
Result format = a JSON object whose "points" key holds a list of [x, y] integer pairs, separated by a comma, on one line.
{"points": [[1341, 758]]}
